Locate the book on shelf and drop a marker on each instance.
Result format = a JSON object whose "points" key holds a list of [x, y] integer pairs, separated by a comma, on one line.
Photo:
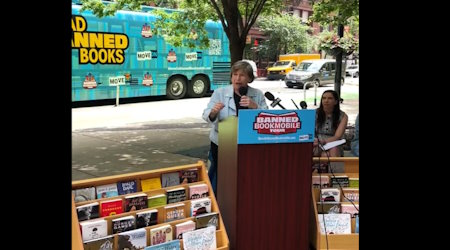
{"points": [[198, 191], [174, 212], [323, 180], [123, 224], [176, 195], [88, 211], [353, 182], [105, 243], [157, 200], [204, 239], [135, 202], [111, 207], [161, 234], [332, 144], [188, 175], [351, 194], [147, 218], [328, 207], [134, 239], [84, 194], [181, 228], [200, 206], [357, 224], [335, 223], [339, 181], [127, 187], [93, 229], [330, 195], [206, 220], [107, 191], [170, 245], [352, 209], [170, 179], [151, 184]]}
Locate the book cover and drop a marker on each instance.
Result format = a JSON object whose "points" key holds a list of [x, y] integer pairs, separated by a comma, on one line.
{"points": [[350, 194], [188, 176], [161, 234], [106, 191], [134, 239], [135, 202], [174, 212], [84, 194], [150, 184], [353, 182], [176, 195], [200, 239], [88, 211], [357, 224], [200, 206], [93, 229], [340, 179], [206, 220], [198, 191], [123, 224], [170, 179], [170, 245], [147, 218], [111, 207], [335, 223], [351, 209], [330, 195], [105, 243], [328, 207], [127, 187], [318, 180], [181, 228], [157, 200]]}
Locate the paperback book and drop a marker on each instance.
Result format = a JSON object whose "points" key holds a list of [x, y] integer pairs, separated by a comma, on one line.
{"points": [[88, 211], [150, 184], [93, 229], [335, 223], [111, 207], [170, 179], [161, 234], [174, 212], [184, 227], [200, 239], [147, 218], [198, 191], [157, 200], [200, 206], [106, 191], [123, 224], [188, 176], [105, 243], [134, 239], [84, 194], [170, 245], [127, 187], [176, 195], [206, 220], [136, 202]]}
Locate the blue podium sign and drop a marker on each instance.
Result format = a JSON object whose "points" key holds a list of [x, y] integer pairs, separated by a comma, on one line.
{"points": [[257, 126]]}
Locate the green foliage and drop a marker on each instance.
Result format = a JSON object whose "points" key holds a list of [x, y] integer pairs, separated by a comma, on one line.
{"points": [[335, 12], [286, 34], [347, 43]]}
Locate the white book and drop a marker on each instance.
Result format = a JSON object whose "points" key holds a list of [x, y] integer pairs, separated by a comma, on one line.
{"points": [[332, 144], [93, 229], [335, 223], [200, 239]]}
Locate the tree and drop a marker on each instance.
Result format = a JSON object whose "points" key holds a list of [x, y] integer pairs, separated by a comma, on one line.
{"points": [[337, 13], [286, 34], [236, 16]]}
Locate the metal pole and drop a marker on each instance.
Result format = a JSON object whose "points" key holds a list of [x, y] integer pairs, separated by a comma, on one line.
{"points": [[315, 94], [117, 95]]}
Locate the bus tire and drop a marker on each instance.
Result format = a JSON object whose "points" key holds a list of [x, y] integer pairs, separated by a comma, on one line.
{"points": [[198, 87], [176, 88]]}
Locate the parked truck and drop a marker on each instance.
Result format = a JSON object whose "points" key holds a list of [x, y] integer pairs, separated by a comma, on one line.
{"points": [[286, 63]]}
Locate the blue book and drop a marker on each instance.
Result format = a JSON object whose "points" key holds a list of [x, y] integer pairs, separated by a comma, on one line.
{"points": [[127, 187], [170, 245], [357, 224]]}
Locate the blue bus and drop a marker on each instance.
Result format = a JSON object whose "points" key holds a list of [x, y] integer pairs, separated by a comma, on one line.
{"points": [[122, 50]]}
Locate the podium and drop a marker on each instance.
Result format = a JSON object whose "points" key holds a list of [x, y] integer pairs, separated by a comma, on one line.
{"points": [[264, 178]]}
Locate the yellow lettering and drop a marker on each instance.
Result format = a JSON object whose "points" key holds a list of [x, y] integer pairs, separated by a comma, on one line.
{"points": [[102, 56], [84, 58], [93, 56], [95, 40], [111, 58], [121, 41], [80, 40], [78, 23], [119, 56], [109, 41]]}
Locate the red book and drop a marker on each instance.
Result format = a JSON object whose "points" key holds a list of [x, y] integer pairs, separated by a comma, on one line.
{"points": [[111, 207]]}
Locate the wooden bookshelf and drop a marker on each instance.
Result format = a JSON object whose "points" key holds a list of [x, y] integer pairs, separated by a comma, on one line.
{"points": [[221, 234], [335, 241]]}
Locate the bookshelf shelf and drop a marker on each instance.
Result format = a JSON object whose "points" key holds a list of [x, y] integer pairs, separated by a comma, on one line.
{"points": [[221, 235], [335, 241]]}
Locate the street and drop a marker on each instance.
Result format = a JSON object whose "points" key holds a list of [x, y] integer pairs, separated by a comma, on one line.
{"points": [[109, 140]]}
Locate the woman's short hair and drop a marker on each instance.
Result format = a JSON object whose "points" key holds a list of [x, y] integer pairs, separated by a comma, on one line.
{"points": [[244, 66]]}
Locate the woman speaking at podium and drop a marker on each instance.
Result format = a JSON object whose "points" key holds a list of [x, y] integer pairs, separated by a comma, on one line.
{"points": [[227, 101]]}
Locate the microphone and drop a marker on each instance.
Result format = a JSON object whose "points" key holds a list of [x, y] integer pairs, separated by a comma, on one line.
{"points": [[303, 104], [275, 102], [243, 90]]}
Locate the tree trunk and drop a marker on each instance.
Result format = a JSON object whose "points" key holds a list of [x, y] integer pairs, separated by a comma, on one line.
{"points": [[237, 46], [338, 75]]}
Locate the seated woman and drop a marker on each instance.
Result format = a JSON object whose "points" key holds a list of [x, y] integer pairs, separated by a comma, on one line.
{"points": [[331, 122]]}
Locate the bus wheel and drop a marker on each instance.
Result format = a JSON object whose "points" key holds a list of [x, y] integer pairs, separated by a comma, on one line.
{"points": [[198, 87], [176, 88]]}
